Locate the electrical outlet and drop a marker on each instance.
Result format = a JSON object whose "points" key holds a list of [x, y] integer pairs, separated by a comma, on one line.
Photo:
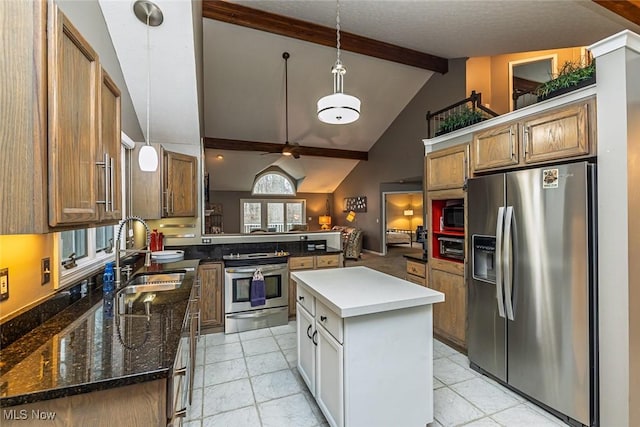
{"points": [[46, 271], [4, 284]]}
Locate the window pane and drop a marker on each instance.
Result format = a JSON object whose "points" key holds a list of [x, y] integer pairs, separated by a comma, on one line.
{"points": [[275, 215], [104, 237], [74, 241], [294, 214], [252, 216], [273, 183]]}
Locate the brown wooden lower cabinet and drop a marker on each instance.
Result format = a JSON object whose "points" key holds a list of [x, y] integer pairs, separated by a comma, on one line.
{"points": [[450, 316], [417, 272], [211, 296], [141, 404]]}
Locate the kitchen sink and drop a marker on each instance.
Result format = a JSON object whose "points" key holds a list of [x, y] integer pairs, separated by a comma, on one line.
{"points": [[154, 282]]}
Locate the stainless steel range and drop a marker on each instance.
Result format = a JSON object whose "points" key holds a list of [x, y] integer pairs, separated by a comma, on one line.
{"points": [[238, 275]]}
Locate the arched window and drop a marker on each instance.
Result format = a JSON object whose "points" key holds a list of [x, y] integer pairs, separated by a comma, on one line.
{"points": [[274, 182]]}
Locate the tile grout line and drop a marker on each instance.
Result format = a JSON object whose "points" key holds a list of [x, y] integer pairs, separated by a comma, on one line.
{"points": [[253, 392]]}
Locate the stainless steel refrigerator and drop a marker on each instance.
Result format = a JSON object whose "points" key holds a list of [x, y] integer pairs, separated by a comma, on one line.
{"points": [[532, 296]]}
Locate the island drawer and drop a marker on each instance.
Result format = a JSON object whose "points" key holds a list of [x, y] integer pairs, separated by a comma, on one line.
{"points": [[325, 261], [330, 320], [301, 263], [306, 300]]}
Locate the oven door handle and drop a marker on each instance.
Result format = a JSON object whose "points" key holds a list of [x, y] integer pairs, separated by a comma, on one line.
{"points": [[252, 269], [256, 313]]}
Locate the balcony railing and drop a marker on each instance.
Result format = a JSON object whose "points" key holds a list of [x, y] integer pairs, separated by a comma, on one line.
{"points": [[457, 116]]}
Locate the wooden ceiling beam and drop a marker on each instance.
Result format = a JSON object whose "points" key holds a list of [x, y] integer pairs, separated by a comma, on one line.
{"points": [[628, 9], [302, 30], [270, 147]]}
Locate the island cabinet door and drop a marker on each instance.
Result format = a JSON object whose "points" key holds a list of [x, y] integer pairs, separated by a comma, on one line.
{"points": [[306, 348], [330, 378]]}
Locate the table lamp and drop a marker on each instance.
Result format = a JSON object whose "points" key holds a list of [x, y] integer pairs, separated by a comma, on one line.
{"points": [[324, 221]]}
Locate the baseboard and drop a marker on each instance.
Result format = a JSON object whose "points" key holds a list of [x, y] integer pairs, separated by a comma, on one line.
{"points": [[369, 251]]}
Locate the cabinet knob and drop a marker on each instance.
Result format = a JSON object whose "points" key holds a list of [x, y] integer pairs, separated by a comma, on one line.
{"points": [[323, 318], [301, 298]]}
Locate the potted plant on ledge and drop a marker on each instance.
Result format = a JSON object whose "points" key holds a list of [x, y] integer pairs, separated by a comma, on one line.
{"points": [[572, 76], [464, 117]]}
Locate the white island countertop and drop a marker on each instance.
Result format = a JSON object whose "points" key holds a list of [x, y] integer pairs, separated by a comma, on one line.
{"points": [[356, 291]]}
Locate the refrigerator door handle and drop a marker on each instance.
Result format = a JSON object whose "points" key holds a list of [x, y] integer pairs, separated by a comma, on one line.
{"points": [[508, 273], [499, 282]]}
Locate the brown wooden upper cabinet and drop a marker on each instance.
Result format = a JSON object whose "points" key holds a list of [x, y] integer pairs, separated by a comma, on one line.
{"points": [[180, 189], [447, 169], [74, 83], [23, 108], [63, 120], [558, 134], [170, 191], [108, 153]]}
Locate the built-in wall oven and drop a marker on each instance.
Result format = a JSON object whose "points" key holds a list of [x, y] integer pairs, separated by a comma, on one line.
{"points": [[239, 269]]}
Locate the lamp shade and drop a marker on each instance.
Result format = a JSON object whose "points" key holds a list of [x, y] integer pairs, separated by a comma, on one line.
{"points": [[338, 109], [408, 212], [324, 221], [148, 159], [351, 216]]}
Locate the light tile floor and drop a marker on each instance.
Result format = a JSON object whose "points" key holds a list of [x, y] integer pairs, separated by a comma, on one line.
{"points": [[250, 380]]}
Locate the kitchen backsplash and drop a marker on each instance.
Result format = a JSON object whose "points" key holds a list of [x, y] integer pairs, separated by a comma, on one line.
{"points": [[22, 254]]}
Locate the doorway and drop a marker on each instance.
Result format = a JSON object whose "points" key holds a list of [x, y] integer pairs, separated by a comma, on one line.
{"points": [[402, 214], [526, 75]]}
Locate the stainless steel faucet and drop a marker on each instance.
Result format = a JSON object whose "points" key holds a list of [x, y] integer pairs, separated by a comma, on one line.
{"points": [[118, 251]]}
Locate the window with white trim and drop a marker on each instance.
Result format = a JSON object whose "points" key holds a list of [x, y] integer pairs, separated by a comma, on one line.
{"points": [[275, 182], [276, 215]]}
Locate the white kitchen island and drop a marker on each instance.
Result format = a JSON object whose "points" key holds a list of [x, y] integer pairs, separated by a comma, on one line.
{"points": [[365, 346]]}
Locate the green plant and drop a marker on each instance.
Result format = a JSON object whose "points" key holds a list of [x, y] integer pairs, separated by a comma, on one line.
{"points": [[569, 75], [464, 117]]}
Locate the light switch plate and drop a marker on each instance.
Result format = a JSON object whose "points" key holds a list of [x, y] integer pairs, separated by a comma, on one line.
{"points": [[4, 284]]}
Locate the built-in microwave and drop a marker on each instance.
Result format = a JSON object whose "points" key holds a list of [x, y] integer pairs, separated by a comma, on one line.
{"points": [[451, 247], [453, 217]]}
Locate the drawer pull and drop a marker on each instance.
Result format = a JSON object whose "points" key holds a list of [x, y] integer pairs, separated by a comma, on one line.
{"points": [[308, 332], [313, 338], [301, 298], [323, 318]]}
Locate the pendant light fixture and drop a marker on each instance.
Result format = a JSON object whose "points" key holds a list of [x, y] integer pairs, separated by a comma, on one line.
{"points": [[338, 108], [151, 15]]}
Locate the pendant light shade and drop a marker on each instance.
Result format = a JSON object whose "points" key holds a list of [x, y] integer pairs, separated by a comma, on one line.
{"points": [[338, 108], [151, 15], [148, 158]]}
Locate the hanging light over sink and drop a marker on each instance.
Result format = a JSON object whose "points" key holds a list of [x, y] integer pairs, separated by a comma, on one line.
{"points": [[151, 15]]}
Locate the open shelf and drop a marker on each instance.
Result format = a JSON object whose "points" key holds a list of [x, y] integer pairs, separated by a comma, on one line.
{"points": [[436, 213]]}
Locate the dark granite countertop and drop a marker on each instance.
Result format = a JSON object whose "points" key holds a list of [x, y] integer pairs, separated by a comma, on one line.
{"points": [[80, 349], [416, 257], [214, 253]]}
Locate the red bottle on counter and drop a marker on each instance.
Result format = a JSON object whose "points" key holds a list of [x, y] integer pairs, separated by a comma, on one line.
{"points": [[160, 241], [154, 244]]}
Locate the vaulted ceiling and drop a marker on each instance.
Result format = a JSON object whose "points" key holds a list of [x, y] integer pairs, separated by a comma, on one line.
{"points": [[226, 81]]}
